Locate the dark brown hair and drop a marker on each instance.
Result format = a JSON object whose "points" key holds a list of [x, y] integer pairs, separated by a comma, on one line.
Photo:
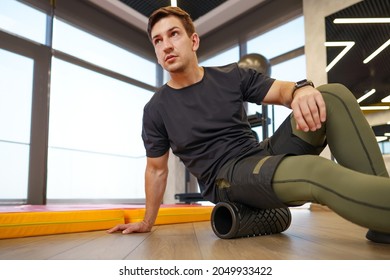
{"points": [[182, 15]]}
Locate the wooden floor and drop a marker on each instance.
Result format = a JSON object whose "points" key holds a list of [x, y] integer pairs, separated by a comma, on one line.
{"points": [[318, 235]]}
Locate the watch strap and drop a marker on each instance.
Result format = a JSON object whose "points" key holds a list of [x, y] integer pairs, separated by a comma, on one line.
{"points": [[301, 84]]}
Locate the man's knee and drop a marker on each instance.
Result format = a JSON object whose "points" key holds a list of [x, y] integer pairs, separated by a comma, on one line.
{"points": [[337, 93], [332, 88]]}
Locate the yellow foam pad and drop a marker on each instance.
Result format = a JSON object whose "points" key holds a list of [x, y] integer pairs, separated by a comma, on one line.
{"points": [[44, 223], [34, 223], [172, 215]]}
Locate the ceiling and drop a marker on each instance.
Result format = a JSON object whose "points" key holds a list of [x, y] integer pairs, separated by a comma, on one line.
{"points": [[196, 9], [207, 14], [350, 70]]}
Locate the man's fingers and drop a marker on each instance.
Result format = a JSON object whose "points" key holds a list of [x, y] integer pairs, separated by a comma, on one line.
{"points": [[114, 229], [127, 231], [300, 114], [309, 112], [127, 228], [314, 120], [321, 107], [120, 227]]}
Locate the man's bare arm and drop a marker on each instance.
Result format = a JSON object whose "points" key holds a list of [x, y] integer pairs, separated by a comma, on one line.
{"points": [[156, 174], [307, 103]]}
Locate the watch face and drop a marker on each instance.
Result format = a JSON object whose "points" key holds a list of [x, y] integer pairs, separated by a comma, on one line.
{"points": [[304, 83], [301, 83]]}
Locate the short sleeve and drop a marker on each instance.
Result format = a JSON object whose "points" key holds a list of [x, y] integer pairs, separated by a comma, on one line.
{"points": [[254, 85], [154, 134]]}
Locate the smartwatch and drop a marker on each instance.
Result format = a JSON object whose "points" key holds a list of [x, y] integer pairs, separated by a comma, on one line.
{"points": [[301, 84]]}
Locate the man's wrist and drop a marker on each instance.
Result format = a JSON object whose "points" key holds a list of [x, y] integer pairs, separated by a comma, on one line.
{"points": [[301, 84], [147, 225]]}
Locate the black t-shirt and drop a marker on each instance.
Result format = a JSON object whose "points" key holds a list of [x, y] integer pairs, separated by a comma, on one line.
{"points": [[205, 124]]}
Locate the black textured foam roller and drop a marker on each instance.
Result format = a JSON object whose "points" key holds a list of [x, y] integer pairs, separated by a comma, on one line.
{"points": [[233, 220]]}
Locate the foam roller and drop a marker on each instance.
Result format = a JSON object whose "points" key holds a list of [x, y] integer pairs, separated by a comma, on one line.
{"points": [[233, 220]]}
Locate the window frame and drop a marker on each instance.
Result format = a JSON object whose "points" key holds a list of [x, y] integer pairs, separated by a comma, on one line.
{"points": [[41, 56]]}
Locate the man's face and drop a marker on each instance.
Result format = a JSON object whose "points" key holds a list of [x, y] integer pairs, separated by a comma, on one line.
{"points": [[174, 49]]}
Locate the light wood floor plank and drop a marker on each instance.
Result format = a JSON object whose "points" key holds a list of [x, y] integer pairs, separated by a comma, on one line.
{"points": [[42, 247], [172, 242], [273, 247], [105, 247]]}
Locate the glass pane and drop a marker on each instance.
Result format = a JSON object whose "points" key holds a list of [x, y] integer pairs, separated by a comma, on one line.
{"points": [[95, 144], [290, 70], [76, 42], [23, 20], [16, 74], [229, 56], [81, 175], [15, 97], [13, 170], [279, 40]]}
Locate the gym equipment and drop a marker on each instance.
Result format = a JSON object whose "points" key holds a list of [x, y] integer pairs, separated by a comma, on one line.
{"points": [[233, 220], [257, 62]]}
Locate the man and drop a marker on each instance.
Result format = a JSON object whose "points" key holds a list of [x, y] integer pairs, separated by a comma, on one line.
{"points": [[199, 114]]}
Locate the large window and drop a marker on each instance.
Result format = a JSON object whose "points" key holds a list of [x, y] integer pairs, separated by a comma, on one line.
{"points": [[74, 110], [78, 43], [280, 40], [16, 94], [23, 20], [16, 74], [95, 145]]}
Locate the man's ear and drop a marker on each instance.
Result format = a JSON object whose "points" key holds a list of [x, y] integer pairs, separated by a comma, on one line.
{"points": [[195, 41]]}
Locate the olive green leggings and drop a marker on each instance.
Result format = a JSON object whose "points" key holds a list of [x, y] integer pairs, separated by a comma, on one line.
{"points": [[357, 187]]}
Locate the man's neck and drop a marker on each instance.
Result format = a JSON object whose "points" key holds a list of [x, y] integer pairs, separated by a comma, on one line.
{"points": [[187, 78]]}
